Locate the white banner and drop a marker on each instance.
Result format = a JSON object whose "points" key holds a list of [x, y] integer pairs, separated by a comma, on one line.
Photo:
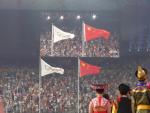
{"points": [[47, 69], [58, 34]]}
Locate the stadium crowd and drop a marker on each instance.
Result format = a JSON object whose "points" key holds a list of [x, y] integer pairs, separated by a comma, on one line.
{"points": [[68, 48], [59, 93], [45, 44], [102, 48], [20, 89], [74, 47]]}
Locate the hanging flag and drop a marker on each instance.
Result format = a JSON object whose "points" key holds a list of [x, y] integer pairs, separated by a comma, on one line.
{"points": [[47, 69], [58, 34], [88, 69], [91, 33]]}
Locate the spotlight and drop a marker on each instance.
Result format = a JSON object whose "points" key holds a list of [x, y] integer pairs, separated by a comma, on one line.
{"points": [[48, 18], [94, 16], [61, 17], [78, 17]]}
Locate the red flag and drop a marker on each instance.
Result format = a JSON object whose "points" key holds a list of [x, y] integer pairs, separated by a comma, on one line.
{"points": [[87, 69], [91, 33]]}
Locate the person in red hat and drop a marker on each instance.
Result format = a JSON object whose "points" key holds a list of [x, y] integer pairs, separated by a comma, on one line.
{"points": [[99, 104]]}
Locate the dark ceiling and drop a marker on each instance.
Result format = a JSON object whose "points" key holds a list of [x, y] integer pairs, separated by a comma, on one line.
{"points": [[73, 4]]}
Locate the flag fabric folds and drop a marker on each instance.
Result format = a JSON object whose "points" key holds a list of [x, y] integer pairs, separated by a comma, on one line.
{"points": [[91, 33], [58, 34], [47, 69], [88, 69]]}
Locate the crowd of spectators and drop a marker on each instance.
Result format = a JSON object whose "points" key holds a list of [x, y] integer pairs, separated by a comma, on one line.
{"points": [[75, 47], [45, 44], [68, 47], [60, 93], [102, 48], [20, 89]]}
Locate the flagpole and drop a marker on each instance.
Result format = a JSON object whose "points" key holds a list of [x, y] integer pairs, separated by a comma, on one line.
{"points": [[78, 84], [39, 84], [52, 41], [83, 37]]}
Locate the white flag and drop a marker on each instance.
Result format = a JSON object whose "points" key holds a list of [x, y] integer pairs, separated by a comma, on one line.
{"points": [[58, 34], [47, 69]]}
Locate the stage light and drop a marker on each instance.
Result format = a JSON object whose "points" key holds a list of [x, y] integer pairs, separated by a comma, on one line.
{"points": [[94, 16], [48, 18], [78, 17], [61, 17]]}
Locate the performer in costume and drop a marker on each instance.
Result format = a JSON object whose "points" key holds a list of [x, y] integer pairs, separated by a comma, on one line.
{"points": [[99, 104], [141, 93]]}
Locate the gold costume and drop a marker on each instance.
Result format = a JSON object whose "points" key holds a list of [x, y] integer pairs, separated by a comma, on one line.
{"points": [[141, 94]]}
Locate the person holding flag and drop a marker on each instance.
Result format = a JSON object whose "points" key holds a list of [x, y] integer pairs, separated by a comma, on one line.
{"points": [[99, 104]]}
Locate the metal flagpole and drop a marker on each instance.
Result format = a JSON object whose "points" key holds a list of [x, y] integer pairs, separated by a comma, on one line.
{"points": [[83, 38], [52, 40], [78, 84], [40, 85]]}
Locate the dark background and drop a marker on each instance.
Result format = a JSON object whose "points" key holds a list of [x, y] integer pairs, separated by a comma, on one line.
{"points": [[19, 36]]}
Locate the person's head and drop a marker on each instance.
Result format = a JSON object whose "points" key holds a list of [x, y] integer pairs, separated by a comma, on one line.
{"points": [[124, 89], [99, 91], [141, 74]]}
